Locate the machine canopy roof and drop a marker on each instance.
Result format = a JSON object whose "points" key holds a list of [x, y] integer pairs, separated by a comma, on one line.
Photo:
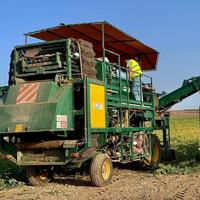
{"points": [[115, 40]]}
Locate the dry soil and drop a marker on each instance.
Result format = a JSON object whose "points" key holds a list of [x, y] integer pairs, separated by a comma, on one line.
{"points": [[126, 184]]}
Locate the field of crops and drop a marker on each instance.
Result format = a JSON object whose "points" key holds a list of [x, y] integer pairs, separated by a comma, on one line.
{"points": [[185, 138]]}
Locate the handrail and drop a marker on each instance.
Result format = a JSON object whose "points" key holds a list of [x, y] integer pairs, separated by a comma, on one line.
{"points": [[145, 82], [120, 88]]}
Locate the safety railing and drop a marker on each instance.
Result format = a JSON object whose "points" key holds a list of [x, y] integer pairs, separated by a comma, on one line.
{"points": [[139, 89]]}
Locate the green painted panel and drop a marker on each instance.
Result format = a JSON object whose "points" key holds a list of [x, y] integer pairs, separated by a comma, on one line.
{"points": [[12, 94], [51, 111]]}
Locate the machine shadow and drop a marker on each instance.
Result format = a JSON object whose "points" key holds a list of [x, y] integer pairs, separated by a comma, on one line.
{"points": [[73, 181], [186, 152]]}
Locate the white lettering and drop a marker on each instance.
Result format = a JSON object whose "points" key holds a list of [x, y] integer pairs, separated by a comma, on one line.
{"points": [[98, 106]]}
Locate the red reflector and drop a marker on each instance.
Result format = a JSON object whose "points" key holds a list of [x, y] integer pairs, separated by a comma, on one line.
{"points": [[5, 157], [74, 155]]}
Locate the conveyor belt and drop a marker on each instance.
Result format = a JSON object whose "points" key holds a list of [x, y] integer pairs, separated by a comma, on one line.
{"points": [[188, 88]]}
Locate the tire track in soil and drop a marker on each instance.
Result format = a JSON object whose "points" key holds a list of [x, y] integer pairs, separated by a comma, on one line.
{"points": [[174, 187], [178, 189], [184, 191]]}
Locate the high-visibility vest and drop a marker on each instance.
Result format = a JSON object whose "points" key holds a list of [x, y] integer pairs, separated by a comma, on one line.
{"points": [[134, 67]]}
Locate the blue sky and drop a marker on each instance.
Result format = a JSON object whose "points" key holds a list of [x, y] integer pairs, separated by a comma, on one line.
{"points": [[171, 27]]}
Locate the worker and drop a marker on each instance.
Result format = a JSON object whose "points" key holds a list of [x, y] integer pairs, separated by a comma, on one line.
{"points": [[135, 73]]}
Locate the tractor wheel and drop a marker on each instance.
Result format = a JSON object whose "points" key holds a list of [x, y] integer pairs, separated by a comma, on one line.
{"points": [[154, 159], [101, 170], [37, 176]]}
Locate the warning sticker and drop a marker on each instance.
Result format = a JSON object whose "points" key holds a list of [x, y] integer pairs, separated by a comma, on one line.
{"points": [[61, 124], [28, 93], [61, 121], [61, 118]]}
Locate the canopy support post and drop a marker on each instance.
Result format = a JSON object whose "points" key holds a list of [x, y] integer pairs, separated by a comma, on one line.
{"points": [[103, 45]]}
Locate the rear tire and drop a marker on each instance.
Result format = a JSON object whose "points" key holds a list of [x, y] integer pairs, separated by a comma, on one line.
{"points": [[37, 176], [154, 159], [101, 170]]}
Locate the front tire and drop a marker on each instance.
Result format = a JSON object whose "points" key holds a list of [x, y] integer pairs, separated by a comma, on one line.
{"points": [[101, 170]]}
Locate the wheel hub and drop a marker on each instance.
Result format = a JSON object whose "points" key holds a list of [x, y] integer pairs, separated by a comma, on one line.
{"points": [[106, 170]]}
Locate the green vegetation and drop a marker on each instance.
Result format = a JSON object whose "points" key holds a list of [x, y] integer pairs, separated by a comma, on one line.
{"points": [[184, 140], [184, 137], [11, 175]]}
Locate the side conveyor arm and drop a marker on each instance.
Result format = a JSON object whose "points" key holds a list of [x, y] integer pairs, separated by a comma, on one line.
{"points": [[188, 88]]}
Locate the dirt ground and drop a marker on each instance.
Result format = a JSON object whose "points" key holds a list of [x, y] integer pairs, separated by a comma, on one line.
{"points": [[126, 184]]}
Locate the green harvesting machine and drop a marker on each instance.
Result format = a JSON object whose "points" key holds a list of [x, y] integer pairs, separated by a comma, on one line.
{"points": [[69, 104]]}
